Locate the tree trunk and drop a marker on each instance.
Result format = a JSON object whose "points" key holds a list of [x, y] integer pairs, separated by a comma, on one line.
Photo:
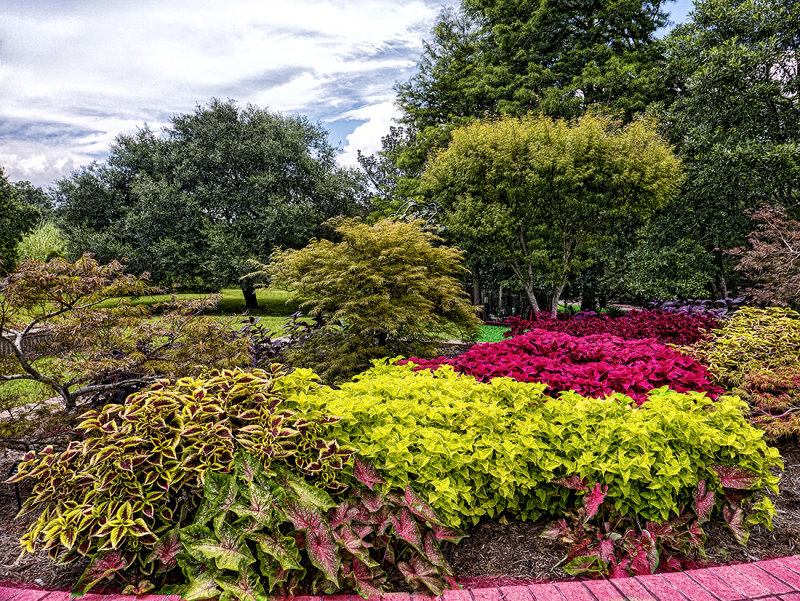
{"points": [[476, 284], [557, 290], [250, 300], [723, 285], [531, 297]]}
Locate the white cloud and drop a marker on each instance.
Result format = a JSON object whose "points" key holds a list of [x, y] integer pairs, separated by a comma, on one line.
{"points": [[367, 137], [74, 75]]}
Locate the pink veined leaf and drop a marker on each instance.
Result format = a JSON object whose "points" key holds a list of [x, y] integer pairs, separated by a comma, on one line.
{"points": [[593, 500], [303, 516], [443, 533], [142, 587], [342, 514], [166, 549], [556, 530], [354, 543], [640, 562], [407, 529], [323, 552], [605, 549], [365, 473], [373, 501], [419, 571], [619, 571], [434, 554], [420, 508], [734, 516], [704, 501], [103, 566], [585, 564], [733, 476]]}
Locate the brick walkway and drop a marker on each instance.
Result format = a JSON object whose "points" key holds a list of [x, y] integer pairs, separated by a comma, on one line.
{"points": [[772, 580]]}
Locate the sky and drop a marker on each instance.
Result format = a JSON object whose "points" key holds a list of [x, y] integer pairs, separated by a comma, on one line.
{"points": [[76, 73]]}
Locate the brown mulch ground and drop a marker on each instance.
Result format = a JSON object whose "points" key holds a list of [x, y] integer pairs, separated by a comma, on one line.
{"points": [[494, 553]]}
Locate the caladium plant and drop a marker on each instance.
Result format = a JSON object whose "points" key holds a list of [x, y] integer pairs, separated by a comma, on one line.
{"points": [[259, 533], [605, 544]]}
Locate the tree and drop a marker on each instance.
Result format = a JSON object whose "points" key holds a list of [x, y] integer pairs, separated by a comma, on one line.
{"points": [[16, 219], [220, 186], [383, 290], [87, 350], [772, 261], [735, 120], [540, 194]]}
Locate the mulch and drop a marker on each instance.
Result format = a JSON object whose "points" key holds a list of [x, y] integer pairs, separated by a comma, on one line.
{"points": [[495, 553]]}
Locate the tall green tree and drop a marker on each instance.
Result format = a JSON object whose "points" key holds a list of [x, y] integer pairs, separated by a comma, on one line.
{"points": [[218, 187], [539, 195], [735, 121], [16, 219]]}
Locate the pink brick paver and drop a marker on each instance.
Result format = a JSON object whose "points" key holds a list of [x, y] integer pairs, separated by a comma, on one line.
{"points": [[770, 580]]}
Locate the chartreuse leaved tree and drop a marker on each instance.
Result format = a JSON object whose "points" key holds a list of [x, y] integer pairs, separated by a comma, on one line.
{"points": [[541, 195], [384, 290]]}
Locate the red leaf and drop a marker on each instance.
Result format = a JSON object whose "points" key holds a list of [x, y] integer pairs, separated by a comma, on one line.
{"points": [[365, 473], [407, 529], [733, 476], [703, 502], [304, 516], [166, 549], [103, 566], [734, 516], [574, 482], [442, 533], [420, 508], [593, 500], [323, 552]]}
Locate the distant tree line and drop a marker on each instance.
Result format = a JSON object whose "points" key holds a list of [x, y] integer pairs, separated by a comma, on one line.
{"points": [[569, 150]]}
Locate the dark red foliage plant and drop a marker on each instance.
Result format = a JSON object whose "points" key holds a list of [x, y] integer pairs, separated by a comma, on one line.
{"points": [[668, 328], [595, 365]]}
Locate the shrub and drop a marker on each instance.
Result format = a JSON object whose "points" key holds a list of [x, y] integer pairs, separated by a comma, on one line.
{"points": [[87, 350], [752, 340], [595, 365], [114, 496], [381, 291], [45, 242], [720, 308], [477, 449], [774, 399], [260, 533], [665, 328]]}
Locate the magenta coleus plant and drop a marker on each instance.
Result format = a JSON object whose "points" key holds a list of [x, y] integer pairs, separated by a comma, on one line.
{"points": [[672, 328], [596, 365]]}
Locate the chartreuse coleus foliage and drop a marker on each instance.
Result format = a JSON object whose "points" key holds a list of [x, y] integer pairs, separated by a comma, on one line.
{"points": [[753, 339], [258, 533], [605, 544], [116, 495], [475, 449]]}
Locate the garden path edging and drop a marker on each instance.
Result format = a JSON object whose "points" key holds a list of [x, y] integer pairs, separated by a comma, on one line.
{"points": [[769, 580]]}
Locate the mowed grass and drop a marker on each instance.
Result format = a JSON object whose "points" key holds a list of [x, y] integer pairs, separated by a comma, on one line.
{"points": [[270, 302]]}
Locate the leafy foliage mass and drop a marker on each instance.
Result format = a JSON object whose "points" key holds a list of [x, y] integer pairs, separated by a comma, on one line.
{"points": [[753, 339], [87, 350], [114, 495], [595, 365], [720, 308], [260, 533], [774, 399], [383, 290], [676, 328], [475, 449]]}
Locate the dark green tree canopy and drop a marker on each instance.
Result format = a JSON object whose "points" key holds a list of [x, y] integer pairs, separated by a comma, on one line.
{"points": [[16, 219], [219, 186]]}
